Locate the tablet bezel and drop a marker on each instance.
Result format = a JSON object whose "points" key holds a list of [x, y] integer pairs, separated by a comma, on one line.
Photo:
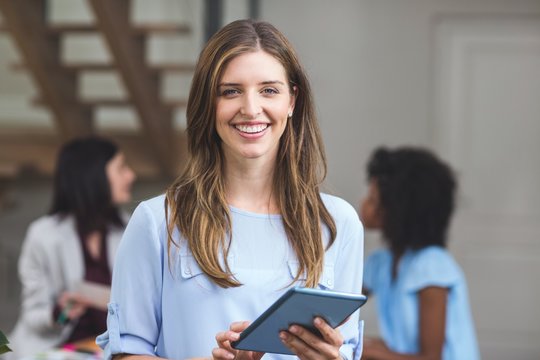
{"points": [[357, 299]]}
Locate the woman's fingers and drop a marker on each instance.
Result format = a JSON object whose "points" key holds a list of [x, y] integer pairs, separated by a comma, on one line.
{"points": [[222, 354], [224, 351], [239, 326], [76, 311], [224, 339], [331, 335], [307, 345], [297, 345]]}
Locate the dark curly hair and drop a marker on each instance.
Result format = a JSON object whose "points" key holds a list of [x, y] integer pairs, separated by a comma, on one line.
{"points": [[416, 194]]}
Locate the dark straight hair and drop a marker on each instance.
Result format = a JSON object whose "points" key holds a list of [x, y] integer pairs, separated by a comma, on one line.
{"points": [[81, 187]]}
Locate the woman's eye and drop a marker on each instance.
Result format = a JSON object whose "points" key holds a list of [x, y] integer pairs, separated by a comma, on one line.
{"points": [[229, 92], [270, 91]]}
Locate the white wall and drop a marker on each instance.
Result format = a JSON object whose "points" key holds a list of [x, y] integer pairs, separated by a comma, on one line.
{"points": [[459, 77], [377, 70]]}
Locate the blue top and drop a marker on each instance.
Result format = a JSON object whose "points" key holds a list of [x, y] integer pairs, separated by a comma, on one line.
{"points": [[174, 311], [398, 307]]}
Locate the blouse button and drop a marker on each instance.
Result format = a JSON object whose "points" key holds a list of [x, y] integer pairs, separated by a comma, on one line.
{"points": [[111, 311], [329, 282]]}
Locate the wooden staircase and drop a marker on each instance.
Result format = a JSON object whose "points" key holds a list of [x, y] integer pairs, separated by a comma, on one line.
{"points": [[157, 149]]}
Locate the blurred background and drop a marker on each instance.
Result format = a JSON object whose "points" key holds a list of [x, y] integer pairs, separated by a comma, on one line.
{"points": [[459, 77]]}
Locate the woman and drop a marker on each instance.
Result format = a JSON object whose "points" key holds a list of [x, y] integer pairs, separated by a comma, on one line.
{"points": [[244, 222], [421, 292], [75, 242]]}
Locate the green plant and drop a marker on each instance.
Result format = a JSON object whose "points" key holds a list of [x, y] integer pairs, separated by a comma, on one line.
{"points": [[4, 348]]}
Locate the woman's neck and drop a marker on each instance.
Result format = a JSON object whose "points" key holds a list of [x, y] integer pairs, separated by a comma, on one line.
{"points": [[93, 244], [249, 186]]}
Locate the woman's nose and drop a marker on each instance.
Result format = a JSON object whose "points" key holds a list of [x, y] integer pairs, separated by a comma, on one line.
{"points": [[132, 176], [251, 106]]}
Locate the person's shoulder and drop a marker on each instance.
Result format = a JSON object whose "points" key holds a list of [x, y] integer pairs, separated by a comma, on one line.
{"points": [[378, 259], [377, 269], [151, 211], [379, 256], [435, 265], [48, 223], [155, 205], [48, 229], [155, 202], [435, 255], [338, 207]]}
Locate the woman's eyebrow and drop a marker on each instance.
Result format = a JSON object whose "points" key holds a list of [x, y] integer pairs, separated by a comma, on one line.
{"points": [[267, 82], [229, 84], [272, 82]]}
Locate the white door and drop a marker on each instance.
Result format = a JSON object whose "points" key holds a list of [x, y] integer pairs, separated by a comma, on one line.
{"points": [[487, 107]]}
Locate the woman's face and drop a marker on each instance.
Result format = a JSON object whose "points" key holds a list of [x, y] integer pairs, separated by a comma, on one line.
{"points": [[370, 209], [253, 103], [121, 178]]}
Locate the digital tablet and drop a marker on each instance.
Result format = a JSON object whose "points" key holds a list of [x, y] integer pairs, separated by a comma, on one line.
{"points": [[297, 306]]}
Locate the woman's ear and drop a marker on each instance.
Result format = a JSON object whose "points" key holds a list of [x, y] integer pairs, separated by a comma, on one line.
{"points": [[293, 100]]}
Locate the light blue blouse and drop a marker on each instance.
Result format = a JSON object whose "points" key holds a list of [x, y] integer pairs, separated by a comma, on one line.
{"points": [[397, 302], [172, 310]]}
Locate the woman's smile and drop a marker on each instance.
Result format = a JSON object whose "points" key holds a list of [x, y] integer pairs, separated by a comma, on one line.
{"points": [[253, 106], [252, 131]]}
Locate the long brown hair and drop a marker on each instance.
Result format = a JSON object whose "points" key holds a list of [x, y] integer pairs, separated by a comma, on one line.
{"points": [[197, 199]]}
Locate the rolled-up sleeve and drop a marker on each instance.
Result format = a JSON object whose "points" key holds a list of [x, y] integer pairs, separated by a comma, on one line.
{"points": [[348, 275], [134, 316]]}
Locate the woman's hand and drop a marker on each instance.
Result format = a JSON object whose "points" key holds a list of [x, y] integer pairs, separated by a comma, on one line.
{"points": [[307, 345], [73, 305], [224, 351]]}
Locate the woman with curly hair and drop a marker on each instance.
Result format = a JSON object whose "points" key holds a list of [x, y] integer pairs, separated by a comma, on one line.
{"points": [[420, 290]]}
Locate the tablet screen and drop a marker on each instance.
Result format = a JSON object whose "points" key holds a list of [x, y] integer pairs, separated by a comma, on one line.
{"points": [[297, 306]]}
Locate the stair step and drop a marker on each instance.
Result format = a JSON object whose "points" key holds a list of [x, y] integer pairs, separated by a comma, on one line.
{"points": [[137, 29], [93, 66], [110, 102]]}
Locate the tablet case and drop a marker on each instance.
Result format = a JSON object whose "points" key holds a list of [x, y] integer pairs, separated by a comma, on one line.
{"points": [[297, 306]]}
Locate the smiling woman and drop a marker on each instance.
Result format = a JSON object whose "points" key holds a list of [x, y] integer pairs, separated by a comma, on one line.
{"points": [[252, 107], [246, 220]]}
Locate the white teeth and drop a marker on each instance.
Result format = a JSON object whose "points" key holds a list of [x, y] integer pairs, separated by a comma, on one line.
{"points": [[251, 129]]}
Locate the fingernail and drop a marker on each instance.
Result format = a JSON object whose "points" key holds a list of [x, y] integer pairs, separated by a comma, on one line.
{"points": [[283, 336], [230, 356], [317, 321], [294, 329]]}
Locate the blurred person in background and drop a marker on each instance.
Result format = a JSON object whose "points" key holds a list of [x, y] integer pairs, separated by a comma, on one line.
{"points": [[76, 242], [420, 290]]}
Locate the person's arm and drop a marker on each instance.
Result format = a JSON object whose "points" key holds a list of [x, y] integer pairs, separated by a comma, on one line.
{"points": [[38, 301], [134, 310], [148, 357], [135, 357], [432, 322]]}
